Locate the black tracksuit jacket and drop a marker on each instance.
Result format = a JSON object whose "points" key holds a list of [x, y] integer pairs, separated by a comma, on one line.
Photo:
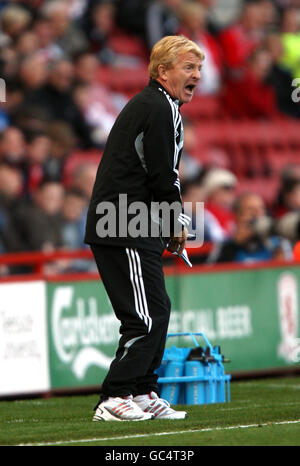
{"points": [[141, 160]]}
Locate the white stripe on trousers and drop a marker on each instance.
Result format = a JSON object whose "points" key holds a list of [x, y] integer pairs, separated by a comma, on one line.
{"points": [[137, 282]]}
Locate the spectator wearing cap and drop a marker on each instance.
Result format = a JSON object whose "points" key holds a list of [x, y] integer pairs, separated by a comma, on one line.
{"points": [[219, 196]]}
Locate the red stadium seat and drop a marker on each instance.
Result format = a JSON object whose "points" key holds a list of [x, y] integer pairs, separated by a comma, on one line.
{"points": [[124, 80], [203, 108], [251, 145], [125, 44], [267, 189]]}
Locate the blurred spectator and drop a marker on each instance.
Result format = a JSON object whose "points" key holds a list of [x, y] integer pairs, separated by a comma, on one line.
{"points": [[9, 63], [77, 9], [131, 16], [73, 214], [211, 24], [190, 162], [10, 193], [83, 178], [288, 226], [219, 196], [73, 218], [38, 222], [27, 44], [192, 192], [290, 36], [193, 26], [29, 118], [280, 78], [270, 15], [33, 73], [12, 146], [241, 39], [33, 166], [99, 26], [96, 116], [281, 5], [251, 96], [149, 19], [67, 36], [86, 69], [14, 98], [48, 48], [61, 142], [161, 20], [288, 198], [32, 6], [50, 56], [56, 98], [15, 20], [251, 240], [99, 106]]}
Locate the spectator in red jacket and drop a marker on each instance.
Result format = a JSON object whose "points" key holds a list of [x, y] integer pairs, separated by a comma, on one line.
{"points": [[250, 96], [241, 39]]}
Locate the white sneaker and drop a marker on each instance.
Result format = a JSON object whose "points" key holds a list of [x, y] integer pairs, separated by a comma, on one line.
{"points": [[120, 409], [160, 408]]}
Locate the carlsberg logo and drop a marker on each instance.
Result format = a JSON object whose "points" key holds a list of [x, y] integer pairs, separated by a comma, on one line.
{"points": [[78, 330]]}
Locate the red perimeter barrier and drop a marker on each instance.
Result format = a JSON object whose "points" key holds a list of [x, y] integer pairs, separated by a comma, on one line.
{"points": [[38, 259], [174, 264]]}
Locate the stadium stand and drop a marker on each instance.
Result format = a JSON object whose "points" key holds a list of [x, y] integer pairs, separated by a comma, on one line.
{"points": [[246, 123]]}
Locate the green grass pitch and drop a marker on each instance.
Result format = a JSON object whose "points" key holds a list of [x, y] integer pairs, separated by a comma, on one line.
{"points": [[262, 412]]}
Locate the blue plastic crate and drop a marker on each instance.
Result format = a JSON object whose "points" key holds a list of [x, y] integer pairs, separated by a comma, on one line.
{"points": [[198, 381]]}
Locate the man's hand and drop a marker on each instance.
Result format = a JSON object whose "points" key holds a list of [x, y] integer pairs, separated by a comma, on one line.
{"points": [[177, 243]]}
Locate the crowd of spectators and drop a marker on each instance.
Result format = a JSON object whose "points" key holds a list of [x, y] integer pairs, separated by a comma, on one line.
{"points": [[56, 104]]}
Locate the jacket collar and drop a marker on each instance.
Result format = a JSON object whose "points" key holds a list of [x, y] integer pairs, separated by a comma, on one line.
{"points": [[157, 85]]}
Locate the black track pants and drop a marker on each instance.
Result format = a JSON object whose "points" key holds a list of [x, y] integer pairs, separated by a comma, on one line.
{"points": [[135, 284]]}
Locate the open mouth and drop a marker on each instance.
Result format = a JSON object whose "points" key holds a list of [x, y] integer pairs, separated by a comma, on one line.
{"points": [[190, 88]]}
